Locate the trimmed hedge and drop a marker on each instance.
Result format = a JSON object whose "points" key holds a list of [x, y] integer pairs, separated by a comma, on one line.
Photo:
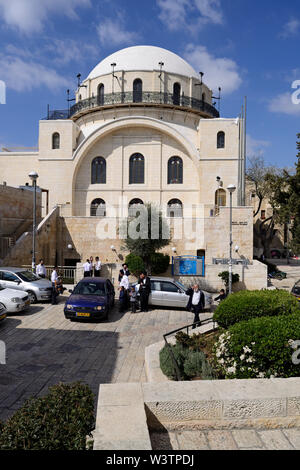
{"points": [[135, 264], [259, 348], [61, 420], [245, 305], [159, 263]]}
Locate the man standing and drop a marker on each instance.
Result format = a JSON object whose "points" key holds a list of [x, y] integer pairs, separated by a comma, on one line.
{"points": [[144, 290], [196, 303], [41, 269], [124, 285], [86, 268], [91, 266], [97, 267], [54, 280], [125, 270]]}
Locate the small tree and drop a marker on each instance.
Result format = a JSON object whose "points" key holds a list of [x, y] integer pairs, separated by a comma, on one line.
{"points": [[225, 278], [147, 232]]}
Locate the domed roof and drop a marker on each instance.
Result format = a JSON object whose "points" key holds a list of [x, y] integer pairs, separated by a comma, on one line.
{"points": [[143, 58]]}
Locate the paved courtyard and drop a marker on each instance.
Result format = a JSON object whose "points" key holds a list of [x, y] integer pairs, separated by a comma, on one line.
{"points": [[43, 348], [237, 439]]}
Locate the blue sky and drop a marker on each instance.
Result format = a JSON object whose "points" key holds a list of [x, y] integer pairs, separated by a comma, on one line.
{"points": [[248, 47]]}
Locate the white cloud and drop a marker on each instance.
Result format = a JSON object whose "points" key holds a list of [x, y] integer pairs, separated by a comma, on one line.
{"points": [[291, 28], [256, 148], [221, 71], [29, 15], [113, 32], [283, 104], [21, 75], [189, 14]]}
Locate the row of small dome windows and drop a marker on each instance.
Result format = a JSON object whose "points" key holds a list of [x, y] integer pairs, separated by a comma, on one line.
{"points": [[174, 206], [220, 140], [137, 170], [137, 91], [98, 207]]}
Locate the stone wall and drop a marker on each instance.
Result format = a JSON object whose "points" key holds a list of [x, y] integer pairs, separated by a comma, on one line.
{"points": [[46, 241], [16, 210]]}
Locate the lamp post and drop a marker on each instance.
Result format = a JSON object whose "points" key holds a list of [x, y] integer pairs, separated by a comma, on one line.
{"points": [[231, 188], [33, 176]]}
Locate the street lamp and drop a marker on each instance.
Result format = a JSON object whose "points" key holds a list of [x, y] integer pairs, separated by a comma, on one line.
{"points": [[33, 176], [231, 188]]}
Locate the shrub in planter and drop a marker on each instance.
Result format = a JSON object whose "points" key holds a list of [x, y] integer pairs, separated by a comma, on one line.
{"points": [[166, 362], [159, 263], [259, 348], [246, 305], [61, 420], [135, 264], [196, 365]]}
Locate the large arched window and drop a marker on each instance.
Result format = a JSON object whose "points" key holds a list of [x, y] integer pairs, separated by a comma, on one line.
{"points": [[220, 198], [98, 171], [221, 140], [136, 169], [175, 170], [137, 91], [100, 94], [174, 208], [55, 140], [176, 94], [98, 208]]}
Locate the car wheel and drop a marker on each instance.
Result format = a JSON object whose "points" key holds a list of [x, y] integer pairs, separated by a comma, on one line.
{"points": [[2, 306], [32, 297]]}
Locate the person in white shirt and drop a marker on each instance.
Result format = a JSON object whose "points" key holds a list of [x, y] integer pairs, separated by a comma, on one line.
{"points": [[86, 268], [41, 269], [196, 303], [97, 267], [54, 279], [91, 266], [124, 283]]}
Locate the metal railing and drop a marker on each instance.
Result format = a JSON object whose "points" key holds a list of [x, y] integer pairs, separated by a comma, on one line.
{"points": [[187, 328], [147, 97], [68, 273]]}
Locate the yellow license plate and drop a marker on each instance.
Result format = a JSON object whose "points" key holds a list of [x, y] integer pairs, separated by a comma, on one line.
{"points": [[82, 314], [2, 316], [27, 302]]}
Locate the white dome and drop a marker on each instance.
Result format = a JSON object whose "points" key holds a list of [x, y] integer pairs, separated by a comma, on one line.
{"points": [[143, 58]]}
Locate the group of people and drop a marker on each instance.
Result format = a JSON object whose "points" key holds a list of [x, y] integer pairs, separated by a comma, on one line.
{"points": [[56, 280], [91, 268], [131, 295]]}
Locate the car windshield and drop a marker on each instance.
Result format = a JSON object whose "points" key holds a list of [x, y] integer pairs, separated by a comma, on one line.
{"points": [[181, 285], [89, 288], [28, 276]]}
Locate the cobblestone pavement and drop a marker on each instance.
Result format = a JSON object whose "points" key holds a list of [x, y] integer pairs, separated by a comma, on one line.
{"points": [[239, 439], [43, 348]]}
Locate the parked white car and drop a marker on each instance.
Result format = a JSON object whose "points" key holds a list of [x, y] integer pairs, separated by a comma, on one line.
{"points": [[14, 300]]}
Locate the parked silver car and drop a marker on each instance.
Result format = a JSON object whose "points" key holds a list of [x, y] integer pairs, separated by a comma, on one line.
{"points": [[21, 279], [14, 300], [166, 292]]}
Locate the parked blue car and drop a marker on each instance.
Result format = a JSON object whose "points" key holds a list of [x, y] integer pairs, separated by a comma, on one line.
{"points": [[92, 298]]}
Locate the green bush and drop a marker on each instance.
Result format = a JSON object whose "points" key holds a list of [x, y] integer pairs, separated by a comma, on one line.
{"points": [[135, 264], [225, 278], [166, 362], [196, 365], [259, 348], [159, 263], [61, 420], [245, 305]]}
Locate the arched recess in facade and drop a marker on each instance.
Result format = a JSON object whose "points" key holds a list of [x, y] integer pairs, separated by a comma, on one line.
{"points": [[129, 122]]}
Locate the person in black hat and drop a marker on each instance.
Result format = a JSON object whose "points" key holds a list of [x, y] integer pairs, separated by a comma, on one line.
{"points": [[144, 290], [125, 271]]}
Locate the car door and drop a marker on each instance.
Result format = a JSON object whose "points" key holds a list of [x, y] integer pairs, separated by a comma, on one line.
{"points": [[173, 295], [10, 280], [155, 298]]}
